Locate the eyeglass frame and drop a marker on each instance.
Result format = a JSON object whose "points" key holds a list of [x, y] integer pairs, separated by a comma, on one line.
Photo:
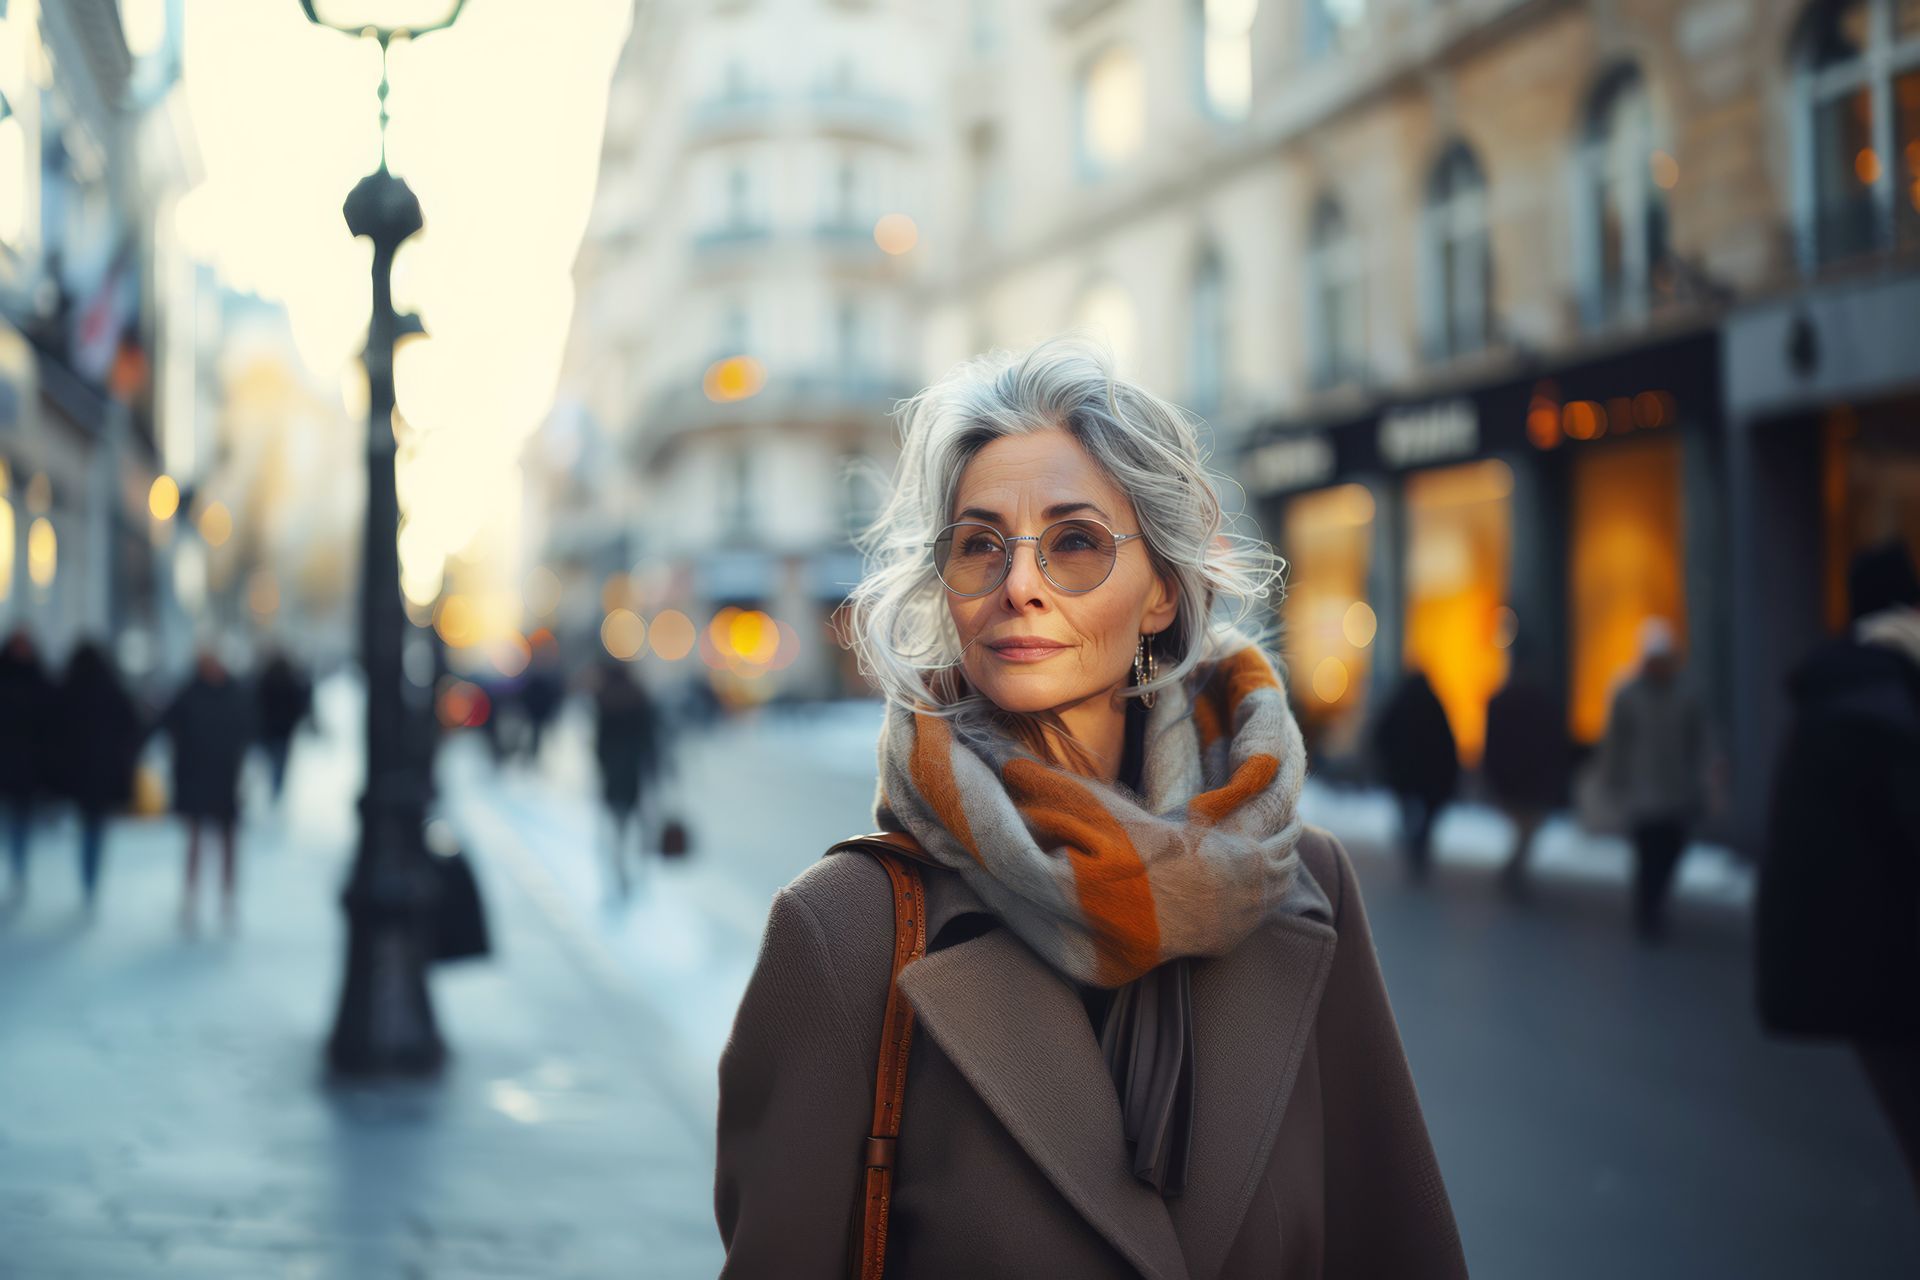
{"points": [[1039, 556]]}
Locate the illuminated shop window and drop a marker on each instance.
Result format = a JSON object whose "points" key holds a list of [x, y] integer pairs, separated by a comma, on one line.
{"points": [[1459, 554]]}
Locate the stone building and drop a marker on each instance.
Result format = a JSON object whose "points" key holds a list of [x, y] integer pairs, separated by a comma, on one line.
{"points": [[1490, 306]]}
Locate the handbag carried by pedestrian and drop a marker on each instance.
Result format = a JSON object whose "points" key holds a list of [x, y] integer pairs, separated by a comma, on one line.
{"points": [[897, 853]]}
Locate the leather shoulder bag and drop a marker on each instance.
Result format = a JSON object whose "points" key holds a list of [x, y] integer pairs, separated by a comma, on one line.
{"points": [[867, 1230]]}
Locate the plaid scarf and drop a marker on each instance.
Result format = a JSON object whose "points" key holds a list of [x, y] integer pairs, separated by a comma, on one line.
{"points": [[1103, 884]]}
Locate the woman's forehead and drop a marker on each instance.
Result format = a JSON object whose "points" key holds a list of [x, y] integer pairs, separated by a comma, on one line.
{"points": [[1039, 467]]}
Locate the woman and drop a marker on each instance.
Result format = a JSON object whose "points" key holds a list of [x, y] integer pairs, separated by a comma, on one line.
{"points": [[1152, 1037]]}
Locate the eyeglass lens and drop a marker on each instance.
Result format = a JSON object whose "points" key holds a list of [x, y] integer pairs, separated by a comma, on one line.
{"points": [[1075, 555]]}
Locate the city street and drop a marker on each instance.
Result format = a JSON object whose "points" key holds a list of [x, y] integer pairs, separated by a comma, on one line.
{"points": [[164, 1110]]}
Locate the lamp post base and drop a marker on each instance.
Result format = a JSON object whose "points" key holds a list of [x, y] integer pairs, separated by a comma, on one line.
{"points": [[385, 1025]]}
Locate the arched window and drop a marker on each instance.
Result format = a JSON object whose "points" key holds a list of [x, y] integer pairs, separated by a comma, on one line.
{"points": [[1207, 354], [1625, 173], [1225, 49], [1337, 323], [1858, 141], [1458, 287], [1111, 110]]}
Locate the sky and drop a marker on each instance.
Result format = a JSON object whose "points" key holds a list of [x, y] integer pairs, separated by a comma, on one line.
{"points": [[496, 125]]}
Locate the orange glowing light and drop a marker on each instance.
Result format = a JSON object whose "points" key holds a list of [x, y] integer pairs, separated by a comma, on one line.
{"points": [[896, 234], [672, 635], [163, 499], [623, 634], [1330, 680], [458, 622], [734, 378], [1666, 171], [1359, 625], [1649, 410], [753, 636], [1582, 420], [1866, 166]]}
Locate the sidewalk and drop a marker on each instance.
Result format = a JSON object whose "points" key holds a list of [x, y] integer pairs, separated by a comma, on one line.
{"points": [[163, 1109]]}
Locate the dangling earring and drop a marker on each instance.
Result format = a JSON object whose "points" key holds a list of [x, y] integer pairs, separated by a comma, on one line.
{"points": [[1145, 669]]}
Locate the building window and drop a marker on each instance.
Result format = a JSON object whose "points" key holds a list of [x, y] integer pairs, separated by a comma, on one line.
{"points": [[1457, 297], [1207, 361], [1338, 320], [735, 335], [739, 197], [847, 337], [1111, 111], [1225, 48], [1105, 310], [1624, 175], [1858, 90], [1334, 26], [986, 194]]}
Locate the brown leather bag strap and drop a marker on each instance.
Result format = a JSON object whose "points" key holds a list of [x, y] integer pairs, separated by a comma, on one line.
{"points": [[868, 1254]]}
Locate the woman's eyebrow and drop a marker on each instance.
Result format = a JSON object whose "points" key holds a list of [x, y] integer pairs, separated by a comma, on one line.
{"points": [[1053, 512]]}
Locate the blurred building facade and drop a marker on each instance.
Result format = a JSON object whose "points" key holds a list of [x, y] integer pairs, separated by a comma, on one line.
{"points": [[745, 323], [92, 144], [1492, 306]]}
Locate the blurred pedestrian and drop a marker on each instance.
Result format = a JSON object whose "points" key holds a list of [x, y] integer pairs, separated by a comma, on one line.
{"points": [[1419, 761], [95, 747], [1525, 764], [1654, 760], [26, 707], [285, 698], [541, 694], [1838, 911], [628, 743], [210, 724]]}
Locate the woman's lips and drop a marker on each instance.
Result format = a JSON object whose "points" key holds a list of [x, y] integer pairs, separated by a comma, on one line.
{"points": [[1026, 653]]}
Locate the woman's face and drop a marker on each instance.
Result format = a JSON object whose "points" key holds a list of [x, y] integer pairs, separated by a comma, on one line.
{"points": [[1020, 485]]}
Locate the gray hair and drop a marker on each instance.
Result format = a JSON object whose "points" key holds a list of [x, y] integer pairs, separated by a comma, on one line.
{"points": [[900, 629]]}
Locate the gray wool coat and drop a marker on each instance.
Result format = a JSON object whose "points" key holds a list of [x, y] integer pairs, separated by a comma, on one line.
{"points": [[1310, 1155]]}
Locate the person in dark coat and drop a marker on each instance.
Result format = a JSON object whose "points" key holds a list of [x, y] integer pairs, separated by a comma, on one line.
{"points": [[286, 698], [541, 694], [211, 726], [1837, 915], [96, 745], [1419, 761], [1525, 765], [628, 743], [26, 704]]}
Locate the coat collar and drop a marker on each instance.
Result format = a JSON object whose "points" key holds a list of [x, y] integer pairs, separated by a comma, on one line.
{"points": [[1019, 1034]]}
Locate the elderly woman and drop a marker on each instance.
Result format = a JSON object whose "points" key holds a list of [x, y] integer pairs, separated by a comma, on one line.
{"points": [[1152, 1036]]}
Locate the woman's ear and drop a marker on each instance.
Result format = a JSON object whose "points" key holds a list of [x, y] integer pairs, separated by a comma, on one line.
{"points": [[1163, 605]]}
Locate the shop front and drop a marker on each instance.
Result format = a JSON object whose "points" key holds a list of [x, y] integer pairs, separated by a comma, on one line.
{"points": [[1823, 401], [1534, 521]]}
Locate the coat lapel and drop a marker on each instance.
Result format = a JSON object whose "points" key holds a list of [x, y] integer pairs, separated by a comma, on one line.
{"points": [[1253, 1011], [1020, 1036]]}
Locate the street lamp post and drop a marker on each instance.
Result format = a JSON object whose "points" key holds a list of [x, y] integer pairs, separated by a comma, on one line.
{"points": [[385, 1024]]}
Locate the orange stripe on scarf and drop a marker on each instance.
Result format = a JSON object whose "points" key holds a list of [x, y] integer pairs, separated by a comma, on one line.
{"points": [[1108, 873], [933, 774], [1253, 776], [1236, 676]]}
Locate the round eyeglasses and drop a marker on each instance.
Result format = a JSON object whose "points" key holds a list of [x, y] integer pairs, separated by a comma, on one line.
{"points": [[1075, 555]]}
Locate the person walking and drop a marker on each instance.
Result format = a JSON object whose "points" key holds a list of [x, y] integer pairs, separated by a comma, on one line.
{"points": [[26, 704], [285, 698], [1654, 760], [1837, 913], [1526, 765], [1414, 744], [210, 724], [628, 743], [1149, 1035], [96, 746]]}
